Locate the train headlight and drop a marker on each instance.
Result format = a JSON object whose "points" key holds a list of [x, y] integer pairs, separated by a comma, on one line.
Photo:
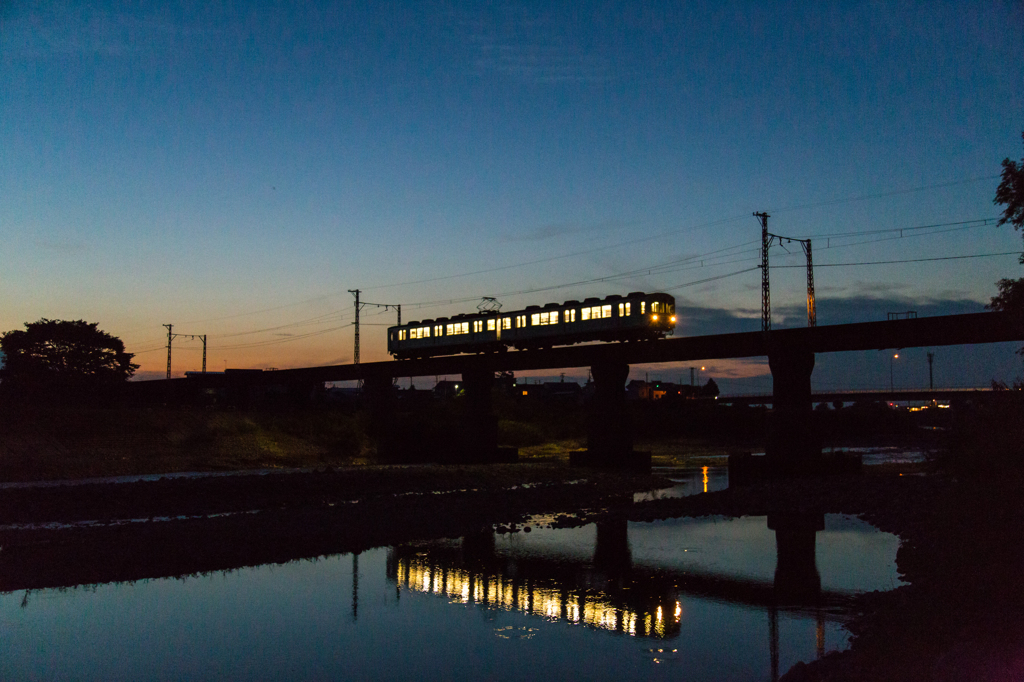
{"points": [[672, 319], [654, 318]]}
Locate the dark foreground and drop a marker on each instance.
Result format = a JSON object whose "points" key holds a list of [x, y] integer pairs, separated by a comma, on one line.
{"points": [[962, 550]]}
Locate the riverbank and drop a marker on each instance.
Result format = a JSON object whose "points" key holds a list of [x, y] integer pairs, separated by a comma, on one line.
{"points": [[961, 540]]}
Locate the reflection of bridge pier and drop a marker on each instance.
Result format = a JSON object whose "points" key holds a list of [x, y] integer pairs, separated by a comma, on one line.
{"points": [[612, 555], [797, 581]]}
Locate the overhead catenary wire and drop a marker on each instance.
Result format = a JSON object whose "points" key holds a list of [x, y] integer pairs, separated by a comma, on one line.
{"points": [[718, 257]]}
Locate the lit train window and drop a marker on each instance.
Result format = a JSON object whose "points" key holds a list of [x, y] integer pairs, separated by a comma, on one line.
{"points": [[478, 326], [570, 315], [643, 304], [401, 335], [437, 330], [543, 319], [491, 325], [506, 323], [597, 312], [424, 332], [623, 310], [457, 328], [520, 321]]}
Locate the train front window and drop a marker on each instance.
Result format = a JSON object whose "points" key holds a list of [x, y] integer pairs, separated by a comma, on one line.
{"points": [[506, 323], [492, 325]]}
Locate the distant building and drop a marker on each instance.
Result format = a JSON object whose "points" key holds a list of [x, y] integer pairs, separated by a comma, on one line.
{"points": [[551, 391], [658, 390], [447, 389]]}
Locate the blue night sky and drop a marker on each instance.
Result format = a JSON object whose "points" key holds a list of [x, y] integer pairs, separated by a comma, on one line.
{"points": [[235, 168]]}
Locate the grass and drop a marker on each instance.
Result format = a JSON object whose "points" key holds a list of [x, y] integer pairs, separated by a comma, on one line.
{"points": [[84, 443]]}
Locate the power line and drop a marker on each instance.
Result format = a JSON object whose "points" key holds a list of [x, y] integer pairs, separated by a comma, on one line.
{"points": [[882, 195], [907, 260]]}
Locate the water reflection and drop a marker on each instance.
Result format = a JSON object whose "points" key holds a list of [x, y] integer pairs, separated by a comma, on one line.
{"points": [[697, 599], [599, 596], [611, 591], [688, 481]]}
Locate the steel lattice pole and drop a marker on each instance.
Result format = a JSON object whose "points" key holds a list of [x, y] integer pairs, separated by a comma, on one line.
{"points": [[766, 302], [812, 315]]}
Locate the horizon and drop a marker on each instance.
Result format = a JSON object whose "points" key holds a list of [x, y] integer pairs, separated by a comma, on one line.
{"points": [[236, 171]]}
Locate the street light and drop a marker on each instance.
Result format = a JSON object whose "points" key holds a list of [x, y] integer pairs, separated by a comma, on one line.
{"points": [[894, 356]]}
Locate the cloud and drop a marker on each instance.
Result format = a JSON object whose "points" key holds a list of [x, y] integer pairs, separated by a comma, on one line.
{"points": [[553, 230], [872, 309], [59, 29], [697, 320], [60, 246], [530, 47]]}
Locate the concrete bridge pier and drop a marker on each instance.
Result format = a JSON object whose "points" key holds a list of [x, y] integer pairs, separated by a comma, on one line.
{"points": [[378, 395], [479, 429], [609, 432], [793, 444]]}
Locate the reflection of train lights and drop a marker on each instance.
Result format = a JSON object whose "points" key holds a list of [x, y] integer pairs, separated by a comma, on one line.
{"points": [[569, 605], [704, 470]]}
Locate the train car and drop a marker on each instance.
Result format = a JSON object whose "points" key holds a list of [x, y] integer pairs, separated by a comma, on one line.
{"points": [[638, 316]]}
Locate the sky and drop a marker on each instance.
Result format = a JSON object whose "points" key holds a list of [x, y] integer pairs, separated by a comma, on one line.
{"points": [[235, 168]]}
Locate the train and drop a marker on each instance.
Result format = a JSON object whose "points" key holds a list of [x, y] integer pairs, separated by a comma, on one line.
{"points": [[634, 317]]}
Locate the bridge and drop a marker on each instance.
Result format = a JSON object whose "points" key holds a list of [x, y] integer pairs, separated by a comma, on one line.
{"points": [[900, 395], [791, 445]]}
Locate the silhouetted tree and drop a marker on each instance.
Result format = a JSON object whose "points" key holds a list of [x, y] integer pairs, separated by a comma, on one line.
{"points": [[1010, 194], [710, 389], [63, 361]]}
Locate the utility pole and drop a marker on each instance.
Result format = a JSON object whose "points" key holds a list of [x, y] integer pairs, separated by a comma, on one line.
{"points": [[170, 337], [812, 315], [767, 239], [355, 357], [362, 304], [766, 297], [931, 358]]}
